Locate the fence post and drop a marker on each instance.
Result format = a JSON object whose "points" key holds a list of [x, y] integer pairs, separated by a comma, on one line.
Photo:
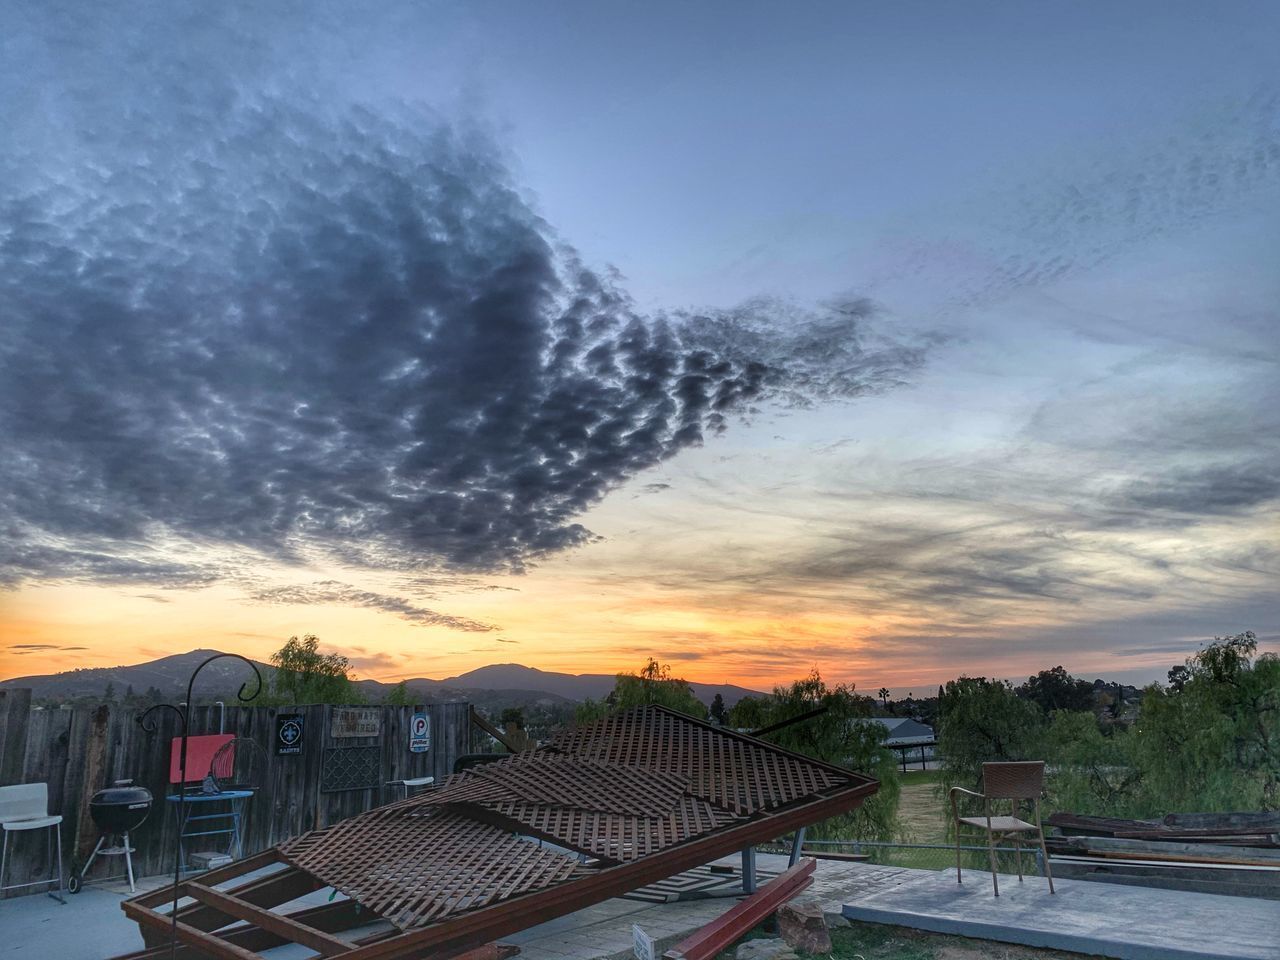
{"points": [[15, 705]]}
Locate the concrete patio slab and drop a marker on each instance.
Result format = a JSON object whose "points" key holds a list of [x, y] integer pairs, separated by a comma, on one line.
{"points": [[92, 927], [604, 930], [1130, 923]]}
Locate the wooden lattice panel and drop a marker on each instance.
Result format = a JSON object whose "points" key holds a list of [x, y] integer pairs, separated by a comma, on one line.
{"points": [[415, 870], [646, 793], [744, 776], [589, 785], [617, 837]]}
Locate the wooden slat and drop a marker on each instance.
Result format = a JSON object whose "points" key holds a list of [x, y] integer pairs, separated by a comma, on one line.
{"points": [[277, 923], [706, 942]]}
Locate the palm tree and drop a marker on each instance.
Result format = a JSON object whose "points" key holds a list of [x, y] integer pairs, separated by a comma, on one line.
{"points": [[884, 696]]}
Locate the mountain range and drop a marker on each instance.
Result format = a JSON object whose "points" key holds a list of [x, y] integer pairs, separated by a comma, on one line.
{"points": [[508, 684]]}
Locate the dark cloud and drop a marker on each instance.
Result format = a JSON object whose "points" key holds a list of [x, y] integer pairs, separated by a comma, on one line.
{"points": [[1221, 489], [330, 591], [275, 323], [21, 649]]}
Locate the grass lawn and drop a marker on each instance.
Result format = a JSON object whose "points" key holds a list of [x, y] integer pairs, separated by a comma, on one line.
{"points": [[923, 815], [874, 941]]}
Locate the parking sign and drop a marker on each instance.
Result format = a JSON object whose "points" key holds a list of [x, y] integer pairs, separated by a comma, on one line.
{"points": [[420, 733]]}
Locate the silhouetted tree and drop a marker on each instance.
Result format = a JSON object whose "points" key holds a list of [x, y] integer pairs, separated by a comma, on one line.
{"points": [[652, 685], [719, 712], [1055, 689]]}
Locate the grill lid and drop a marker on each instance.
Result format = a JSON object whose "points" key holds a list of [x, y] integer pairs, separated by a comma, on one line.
{"points": [[122, 794]]}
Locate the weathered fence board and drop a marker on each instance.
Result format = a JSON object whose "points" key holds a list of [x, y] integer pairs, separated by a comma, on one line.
{"points": [[79, 751]]}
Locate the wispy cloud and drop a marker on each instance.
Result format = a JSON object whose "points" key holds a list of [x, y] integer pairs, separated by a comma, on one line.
{"points": [[331, 591]]}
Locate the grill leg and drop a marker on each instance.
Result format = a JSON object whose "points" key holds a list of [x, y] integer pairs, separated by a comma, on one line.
{"points": [[93, 856], [128, 862]]}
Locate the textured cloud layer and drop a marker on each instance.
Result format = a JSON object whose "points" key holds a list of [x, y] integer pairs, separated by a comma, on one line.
{"points": [[275, 324]]}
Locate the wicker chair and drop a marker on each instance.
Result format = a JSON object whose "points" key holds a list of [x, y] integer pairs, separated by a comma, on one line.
{"points": [[1018, 782]]}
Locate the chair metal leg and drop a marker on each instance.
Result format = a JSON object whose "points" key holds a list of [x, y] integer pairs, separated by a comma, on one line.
{"points": [[991, 851], [796, 846], [62, 886], [1048, 872], [48, 845], [4, 856]]}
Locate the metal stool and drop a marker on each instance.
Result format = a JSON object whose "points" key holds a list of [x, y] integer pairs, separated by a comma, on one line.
{"points": [[25, 806]]}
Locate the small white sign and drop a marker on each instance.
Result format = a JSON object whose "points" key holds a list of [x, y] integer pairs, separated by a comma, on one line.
{"points": [[642, 943], [420, 733]]}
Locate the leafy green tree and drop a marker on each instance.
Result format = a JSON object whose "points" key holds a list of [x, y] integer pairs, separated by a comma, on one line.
{"points": [[399, 696], [1090, 772], [652, 685], [843, 735], [513, 716], [305, 675], [110, 692], [982, 720], [1056, 689], [1214, 745]]}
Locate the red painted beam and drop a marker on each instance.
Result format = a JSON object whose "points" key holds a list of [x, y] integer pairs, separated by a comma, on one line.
{"points": [[717, 935]]}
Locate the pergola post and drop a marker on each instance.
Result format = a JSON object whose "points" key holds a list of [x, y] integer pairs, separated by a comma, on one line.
{"points": [[748, 869]]}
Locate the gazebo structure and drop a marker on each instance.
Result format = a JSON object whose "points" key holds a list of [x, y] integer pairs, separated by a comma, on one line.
{"points": [[619, 803]]}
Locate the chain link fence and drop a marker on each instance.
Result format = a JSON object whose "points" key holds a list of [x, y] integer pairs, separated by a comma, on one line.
{"points": [[932, 856]]}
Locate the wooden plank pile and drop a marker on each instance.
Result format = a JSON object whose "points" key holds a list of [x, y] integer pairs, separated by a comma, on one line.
{"points": [[1236, 854]]}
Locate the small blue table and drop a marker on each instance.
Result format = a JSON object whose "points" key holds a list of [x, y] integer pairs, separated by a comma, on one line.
{"points": [[197, 824]]}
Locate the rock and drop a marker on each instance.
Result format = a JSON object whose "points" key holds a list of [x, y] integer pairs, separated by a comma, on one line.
{"points": [[836, 920], [804, 927], [765, 950]]}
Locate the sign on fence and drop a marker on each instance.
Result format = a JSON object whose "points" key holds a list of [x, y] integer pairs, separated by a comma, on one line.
{"points": [[356, 722], [419, 733], [288, 734]]}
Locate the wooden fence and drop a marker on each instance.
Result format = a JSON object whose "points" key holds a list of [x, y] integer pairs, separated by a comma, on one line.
{"points": [[79, 751]]}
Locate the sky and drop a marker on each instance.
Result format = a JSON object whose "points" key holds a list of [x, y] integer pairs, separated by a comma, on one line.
{"points": [[900, 341]]}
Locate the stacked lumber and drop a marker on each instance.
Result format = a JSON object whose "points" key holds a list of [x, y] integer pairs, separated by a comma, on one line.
{"points": [[1237, 829], [1200, 866]]}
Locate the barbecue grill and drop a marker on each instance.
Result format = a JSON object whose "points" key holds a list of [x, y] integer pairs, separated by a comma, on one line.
{"points": [[116, 810]]}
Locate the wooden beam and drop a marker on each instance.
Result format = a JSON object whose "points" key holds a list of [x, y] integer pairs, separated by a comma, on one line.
{"points": [[705, 943], [232, 870], [277, 923], [329, 917], [493, 731], [269, 891], [204, 942]]}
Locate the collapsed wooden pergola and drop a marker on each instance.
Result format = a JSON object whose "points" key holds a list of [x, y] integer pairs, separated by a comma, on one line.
{"points": [[628, 800]]}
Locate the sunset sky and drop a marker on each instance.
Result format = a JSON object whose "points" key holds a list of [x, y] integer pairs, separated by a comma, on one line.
{"points": [[899, 340]]}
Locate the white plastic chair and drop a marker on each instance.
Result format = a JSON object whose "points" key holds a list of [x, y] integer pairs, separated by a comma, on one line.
{"points": [[25, 806]]}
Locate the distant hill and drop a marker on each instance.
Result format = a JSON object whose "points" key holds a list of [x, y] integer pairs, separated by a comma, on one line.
{"points": [[575, 686], [168, 674], [497, 685]]}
